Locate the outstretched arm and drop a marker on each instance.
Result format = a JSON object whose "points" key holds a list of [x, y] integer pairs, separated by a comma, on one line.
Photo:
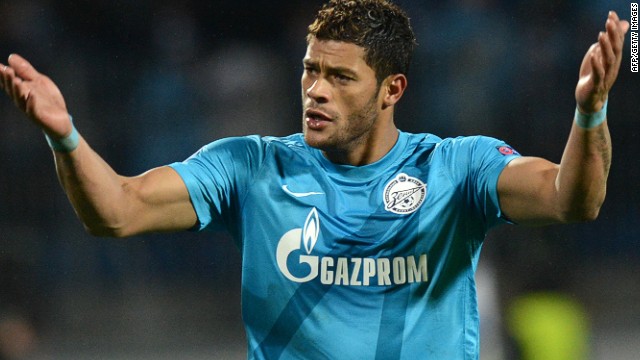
{"points": [[536, 191], [108, 204]]}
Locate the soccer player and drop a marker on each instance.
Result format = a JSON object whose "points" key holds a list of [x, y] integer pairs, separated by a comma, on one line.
{"points": [[358, 240]]}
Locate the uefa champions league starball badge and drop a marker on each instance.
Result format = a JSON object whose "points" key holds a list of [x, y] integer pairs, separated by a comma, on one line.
{"points": [[404, 194]]}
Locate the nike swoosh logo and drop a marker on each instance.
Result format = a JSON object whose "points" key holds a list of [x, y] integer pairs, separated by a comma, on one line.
{"points": [[297, 194]]}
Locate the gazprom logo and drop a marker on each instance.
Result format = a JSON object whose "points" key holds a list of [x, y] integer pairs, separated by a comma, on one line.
{"points": [[291, 242], [340, 270], [311, 230]]}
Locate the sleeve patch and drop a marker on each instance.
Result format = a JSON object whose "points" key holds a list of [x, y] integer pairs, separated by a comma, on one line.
{"points": [[507, 150]]}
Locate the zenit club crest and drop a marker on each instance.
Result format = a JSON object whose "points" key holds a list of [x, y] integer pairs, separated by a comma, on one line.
{"points": [[404, 194]]}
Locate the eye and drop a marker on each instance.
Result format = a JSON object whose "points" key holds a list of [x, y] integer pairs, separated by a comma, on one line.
{"points": [[343, 78], [310, 70]]}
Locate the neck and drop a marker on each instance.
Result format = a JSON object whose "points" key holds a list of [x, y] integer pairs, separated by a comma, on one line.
{"points": [[368, 149]]}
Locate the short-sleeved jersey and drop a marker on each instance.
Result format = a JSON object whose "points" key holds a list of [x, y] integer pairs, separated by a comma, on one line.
{"points": [[345, 262]]}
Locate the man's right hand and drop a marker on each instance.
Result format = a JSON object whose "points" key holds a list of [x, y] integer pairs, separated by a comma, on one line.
{"points": [[108, 204], [36, 95]]}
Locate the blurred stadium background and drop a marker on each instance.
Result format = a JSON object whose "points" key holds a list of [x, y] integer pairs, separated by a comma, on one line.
{"points": [[149, 82]]}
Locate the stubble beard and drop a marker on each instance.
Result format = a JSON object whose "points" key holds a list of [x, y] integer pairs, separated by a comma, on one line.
{"points": [[349, 134]]}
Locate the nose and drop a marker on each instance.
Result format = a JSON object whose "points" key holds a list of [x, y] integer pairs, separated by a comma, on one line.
{"points": [[318, 91]]}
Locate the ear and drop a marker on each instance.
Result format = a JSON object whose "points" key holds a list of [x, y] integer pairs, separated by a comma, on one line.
{"points": [[393, 87]]}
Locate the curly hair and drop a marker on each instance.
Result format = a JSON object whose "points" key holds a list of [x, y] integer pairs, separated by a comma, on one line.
{"points": [[378, 26]]}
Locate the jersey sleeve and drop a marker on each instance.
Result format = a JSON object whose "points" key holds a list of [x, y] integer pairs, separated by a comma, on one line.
{"points": [[481, 161], [217, 177]]}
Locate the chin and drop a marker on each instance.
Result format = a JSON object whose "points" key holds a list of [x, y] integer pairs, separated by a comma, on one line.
{"points": [[313, 141], [316, 140]]}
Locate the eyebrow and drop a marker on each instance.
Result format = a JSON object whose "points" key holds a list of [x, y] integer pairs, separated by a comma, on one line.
{"points": [[332, 69]]}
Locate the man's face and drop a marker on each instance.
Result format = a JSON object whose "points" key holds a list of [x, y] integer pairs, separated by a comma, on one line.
{"points": [[340, 96]]}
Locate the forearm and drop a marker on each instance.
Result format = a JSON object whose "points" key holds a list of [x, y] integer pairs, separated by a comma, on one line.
{"points": [[582, 178], [98, 194], [112, 205]]}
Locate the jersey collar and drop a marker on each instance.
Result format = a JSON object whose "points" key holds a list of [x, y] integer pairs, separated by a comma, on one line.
{"points": [[365, 173]]}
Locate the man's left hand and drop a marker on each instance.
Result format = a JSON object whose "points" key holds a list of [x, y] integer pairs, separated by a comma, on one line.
{"points": [[600, 66]]}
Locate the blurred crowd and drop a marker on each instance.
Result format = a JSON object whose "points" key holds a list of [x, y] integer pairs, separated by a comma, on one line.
{"points": [[150, 82]]}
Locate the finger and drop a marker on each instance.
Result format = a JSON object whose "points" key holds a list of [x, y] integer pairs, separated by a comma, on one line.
{"points": [[17, 92], [597, 67], [3, 69], [609, 57], [18, 89], [615, 32], [8, 78], [624, 26], [614, 16], [22, 67], [585, 67]]}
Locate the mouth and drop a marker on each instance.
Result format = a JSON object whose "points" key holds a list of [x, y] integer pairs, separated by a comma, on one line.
{"points": [[316, 119]]}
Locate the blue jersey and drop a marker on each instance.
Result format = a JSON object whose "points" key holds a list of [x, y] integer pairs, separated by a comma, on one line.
{"points": [[345, 262]]}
